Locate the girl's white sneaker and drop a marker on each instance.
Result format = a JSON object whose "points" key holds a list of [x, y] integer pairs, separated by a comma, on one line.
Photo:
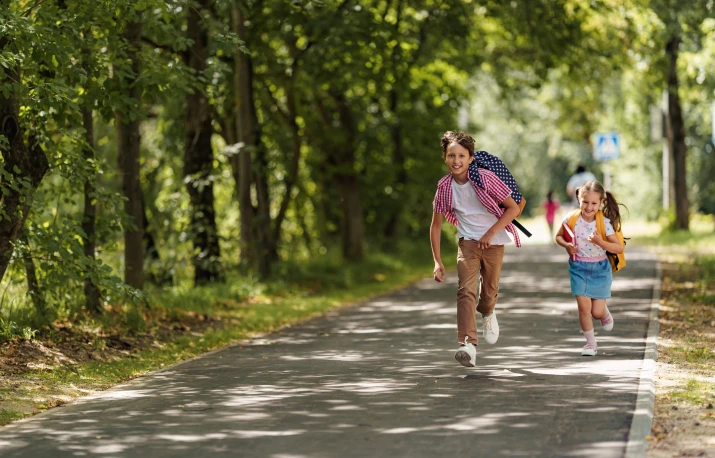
{"points": [[466, 355], [607, 322], [589, 350]]}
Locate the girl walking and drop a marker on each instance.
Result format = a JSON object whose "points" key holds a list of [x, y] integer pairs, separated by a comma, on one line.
{"points": [[550, 205], [590, 272]]}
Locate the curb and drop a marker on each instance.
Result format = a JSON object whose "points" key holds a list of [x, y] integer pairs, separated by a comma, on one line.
{"points": [[637, 446]]}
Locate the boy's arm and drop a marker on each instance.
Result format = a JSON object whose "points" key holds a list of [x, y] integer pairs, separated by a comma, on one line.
{"points": [[511, 211], [435, 233]]}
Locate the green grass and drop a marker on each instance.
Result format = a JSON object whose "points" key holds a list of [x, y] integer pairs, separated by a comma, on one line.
{"points": [[689, 258], [699, 239], [6, 416], [695, 393], [697, 354]]}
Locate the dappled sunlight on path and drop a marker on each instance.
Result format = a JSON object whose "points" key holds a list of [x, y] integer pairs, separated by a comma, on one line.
{"points": [[379, 379]]}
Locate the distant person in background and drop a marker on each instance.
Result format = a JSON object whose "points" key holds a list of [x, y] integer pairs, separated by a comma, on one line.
{"points": [[551, 204], [577, 180]]}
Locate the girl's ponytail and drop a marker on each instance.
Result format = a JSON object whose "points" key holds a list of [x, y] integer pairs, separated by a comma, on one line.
{"points": [[612, 212]]}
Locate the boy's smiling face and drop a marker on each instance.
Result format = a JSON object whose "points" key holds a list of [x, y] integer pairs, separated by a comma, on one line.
{"points": [[458, 159]]}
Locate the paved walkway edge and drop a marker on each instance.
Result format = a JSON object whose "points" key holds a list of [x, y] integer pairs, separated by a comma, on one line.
{"points": [[637, 446]]}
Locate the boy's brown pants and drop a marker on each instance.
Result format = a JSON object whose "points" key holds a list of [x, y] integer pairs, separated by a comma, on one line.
{"points": [[471, 262]]}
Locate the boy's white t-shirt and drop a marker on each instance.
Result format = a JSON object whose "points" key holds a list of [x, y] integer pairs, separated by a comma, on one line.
{"points": [[582, 230], [474, 219]]}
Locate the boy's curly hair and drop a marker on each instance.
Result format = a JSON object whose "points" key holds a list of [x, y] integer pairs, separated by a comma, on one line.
{"points": [[461, 138]]}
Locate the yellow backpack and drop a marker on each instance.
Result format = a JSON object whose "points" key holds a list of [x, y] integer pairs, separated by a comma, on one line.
{"points": [[618, 261]]}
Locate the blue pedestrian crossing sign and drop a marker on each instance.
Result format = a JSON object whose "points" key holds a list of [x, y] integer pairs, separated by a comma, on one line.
{"points": [[606, 146]]}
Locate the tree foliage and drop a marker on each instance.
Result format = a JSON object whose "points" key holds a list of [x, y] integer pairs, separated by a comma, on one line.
{"points": [[196, 141]]}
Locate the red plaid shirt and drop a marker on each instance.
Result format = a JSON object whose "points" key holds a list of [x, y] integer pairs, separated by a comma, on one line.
{"points": [[494, 193]]}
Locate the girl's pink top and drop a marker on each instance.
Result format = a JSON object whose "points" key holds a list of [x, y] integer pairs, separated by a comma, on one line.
{"points": [[551, 208]]}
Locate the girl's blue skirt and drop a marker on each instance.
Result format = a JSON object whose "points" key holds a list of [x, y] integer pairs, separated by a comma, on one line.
{"points": [[591, 279]]}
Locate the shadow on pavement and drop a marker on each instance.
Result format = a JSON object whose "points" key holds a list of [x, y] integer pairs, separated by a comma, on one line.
{"points": [[379, 379]]}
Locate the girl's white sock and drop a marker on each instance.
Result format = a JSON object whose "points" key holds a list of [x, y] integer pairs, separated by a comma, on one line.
{"points": [[590, 338]]}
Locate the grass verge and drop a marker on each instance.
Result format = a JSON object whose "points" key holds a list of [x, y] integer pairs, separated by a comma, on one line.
{"points": [[683, 424]]}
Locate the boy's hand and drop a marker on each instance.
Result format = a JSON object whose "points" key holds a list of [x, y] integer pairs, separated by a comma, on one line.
{"points": [[571, 249], [595, 238], [439, 272], [486, 240]]}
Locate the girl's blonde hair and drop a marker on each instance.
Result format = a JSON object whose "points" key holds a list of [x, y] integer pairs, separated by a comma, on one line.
{"points": [[610, 207]]}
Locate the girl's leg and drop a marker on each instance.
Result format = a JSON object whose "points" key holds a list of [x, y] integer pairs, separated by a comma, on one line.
{"points": [[585, 307], [584, 312], [600, 312], [598, 308]]}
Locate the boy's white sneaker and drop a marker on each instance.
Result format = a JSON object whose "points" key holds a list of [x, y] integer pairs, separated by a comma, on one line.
{"points": [[490, 328], [466, 355]]}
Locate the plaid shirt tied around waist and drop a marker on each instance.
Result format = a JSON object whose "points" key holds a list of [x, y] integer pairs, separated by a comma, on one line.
{"points": [[491, 193]]}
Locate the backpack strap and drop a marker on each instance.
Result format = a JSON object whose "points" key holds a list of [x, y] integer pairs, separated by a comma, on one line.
{"points": [[573, 217], [601, 224]]}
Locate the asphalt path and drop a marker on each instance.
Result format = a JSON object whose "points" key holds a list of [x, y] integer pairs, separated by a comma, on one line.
{"points": [[379, 379]]}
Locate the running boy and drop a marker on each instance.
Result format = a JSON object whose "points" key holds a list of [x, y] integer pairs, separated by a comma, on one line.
{"points": [[481, 225]]}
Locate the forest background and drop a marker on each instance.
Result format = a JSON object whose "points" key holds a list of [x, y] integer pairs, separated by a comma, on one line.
{"points": [[152, 149]]}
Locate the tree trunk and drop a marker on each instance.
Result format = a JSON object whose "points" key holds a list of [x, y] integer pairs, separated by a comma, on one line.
{"points": [[339, 173], [349, 187], [299, 205], [22, 164], [198, 159], [245, 126], [266, 248], [89, 217], [260, 246], [151, 251], [292, 175], [128, 156], [678, 147], [392, 228], [353, 222], [33, 286]]}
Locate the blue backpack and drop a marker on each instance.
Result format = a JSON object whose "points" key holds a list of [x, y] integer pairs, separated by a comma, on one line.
{"points": [[484, 160]]}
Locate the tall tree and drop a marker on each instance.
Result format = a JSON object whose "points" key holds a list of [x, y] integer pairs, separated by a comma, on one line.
{"points": [[682, 25], [675, 132], [24, 162], [89, 216], [128, 155], [198, 154], [247, 133]]}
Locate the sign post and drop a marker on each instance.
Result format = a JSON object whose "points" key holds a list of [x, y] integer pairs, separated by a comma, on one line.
{"points": [[606, 147]]}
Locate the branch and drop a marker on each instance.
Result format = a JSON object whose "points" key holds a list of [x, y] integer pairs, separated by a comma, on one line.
{"points": [[280, 109], [153, 43], [29, 10], [421, 44]]}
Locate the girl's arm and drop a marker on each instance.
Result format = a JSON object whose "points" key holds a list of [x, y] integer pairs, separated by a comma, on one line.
{"points": [[611, 244], [435, 233], [570, 247], [511, 211]]}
